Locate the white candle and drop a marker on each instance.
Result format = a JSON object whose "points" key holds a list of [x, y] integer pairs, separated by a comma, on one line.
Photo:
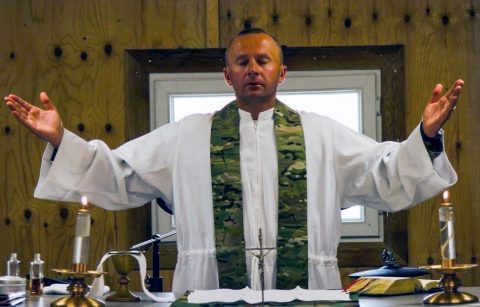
{"points": [[447, 234], [82, 237]]}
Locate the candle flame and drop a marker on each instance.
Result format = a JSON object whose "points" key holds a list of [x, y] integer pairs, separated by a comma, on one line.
{"points": [[84, 202], [446, 196]]}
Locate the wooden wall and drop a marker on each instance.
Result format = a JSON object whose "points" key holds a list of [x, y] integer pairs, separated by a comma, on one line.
{"points": [[74, 50]]}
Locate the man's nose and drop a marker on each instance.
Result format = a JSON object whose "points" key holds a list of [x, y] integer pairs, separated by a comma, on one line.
{"points": [[252, 67]]}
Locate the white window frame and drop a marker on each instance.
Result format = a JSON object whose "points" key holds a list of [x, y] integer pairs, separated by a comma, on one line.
{"points": [[164, 85]]}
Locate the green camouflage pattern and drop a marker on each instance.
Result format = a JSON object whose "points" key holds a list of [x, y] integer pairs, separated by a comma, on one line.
{"points": [[227, 198], [292, 245]]}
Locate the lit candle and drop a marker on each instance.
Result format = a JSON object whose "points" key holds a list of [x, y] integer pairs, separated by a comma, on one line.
{"points": [[82, 238], [447, 234]]}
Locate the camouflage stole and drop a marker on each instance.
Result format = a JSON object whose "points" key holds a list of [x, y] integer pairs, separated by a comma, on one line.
{"points": [[292, 247]]}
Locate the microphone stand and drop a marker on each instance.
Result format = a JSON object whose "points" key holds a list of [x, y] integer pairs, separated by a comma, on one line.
{"points": [[155, 282]]}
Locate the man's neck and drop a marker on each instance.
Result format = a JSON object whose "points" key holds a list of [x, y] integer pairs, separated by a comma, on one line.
{"points": [[255, 108]]}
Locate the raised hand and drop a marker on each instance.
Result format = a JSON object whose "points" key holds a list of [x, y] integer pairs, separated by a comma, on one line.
{"points": [[440, 107], [44, 123]]}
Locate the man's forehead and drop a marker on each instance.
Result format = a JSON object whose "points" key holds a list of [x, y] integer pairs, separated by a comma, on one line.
{"points": [[254, 42]]}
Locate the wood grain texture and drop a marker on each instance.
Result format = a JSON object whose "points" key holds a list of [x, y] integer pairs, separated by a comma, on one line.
{"points": [[212, 28], [440, 60], [74, 51], [441, 42], [470, 146]]}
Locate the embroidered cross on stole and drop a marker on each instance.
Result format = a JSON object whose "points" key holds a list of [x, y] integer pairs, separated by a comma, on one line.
{"points": [[292, 245]]}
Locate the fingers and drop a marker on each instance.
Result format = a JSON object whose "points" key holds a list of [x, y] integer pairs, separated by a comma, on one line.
{"points": [[452, 95], [437, 92], [18, 107], [450, 98], [18, 111], [459, 82], [21, 107], [456, 88], [21, 118], [19, 102], [47, 103]]}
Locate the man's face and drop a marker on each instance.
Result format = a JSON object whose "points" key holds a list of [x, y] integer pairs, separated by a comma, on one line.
{"points": [[254, 69]]}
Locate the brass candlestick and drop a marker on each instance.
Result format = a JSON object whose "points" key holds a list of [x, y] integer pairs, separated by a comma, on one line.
{"points": [[123, 262], [450, 283], [449, 267], [77, 289]]}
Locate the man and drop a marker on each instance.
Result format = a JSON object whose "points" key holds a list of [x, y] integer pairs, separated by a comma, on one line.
{"points": [[255, 166]]}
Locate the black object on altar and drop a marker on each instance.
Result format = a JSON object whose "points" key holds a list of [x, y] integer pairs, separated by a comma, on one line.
{"points": [[390, 268], [155, 282]]}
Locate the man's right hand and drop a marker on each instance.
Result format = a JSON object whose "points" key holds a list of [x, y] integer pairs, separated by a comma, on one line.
{"points": [[44, 123]]}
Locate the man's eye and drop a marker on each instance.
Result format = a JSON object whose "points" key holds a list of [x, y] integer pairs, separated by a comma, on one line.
{"points": [[262, 61]]}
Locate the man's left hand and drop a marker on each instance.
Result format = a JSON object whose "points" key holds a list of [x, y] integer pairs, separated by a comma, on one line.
{"points": [[440, 107]]}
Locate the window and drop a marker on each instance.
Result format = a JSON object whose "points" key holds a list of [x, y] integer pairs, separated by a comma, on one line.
{"points": [[348, 96]]}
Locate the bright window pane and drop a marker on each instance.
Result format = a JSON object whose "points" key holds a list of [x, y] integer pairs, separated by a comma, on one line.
{"points": [[343, 106], [353, 214], [184, 105]]}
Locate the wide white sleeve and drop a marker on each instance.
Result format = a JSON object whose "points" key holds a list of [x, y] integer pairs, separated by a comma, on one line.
{"points": [[388, 176], [127, 177]]}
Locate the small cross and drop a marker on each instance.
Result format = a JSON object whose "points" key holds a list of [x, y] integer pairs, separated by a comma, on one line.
{"points": [[261, 264]]}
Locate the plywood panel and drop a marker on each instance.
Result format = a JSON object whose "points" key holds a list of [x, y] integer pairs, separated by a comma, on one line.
{"points": [[171, 24], [439, 61], [385, 22], [470, 145], [212, 31], [74, 50]]}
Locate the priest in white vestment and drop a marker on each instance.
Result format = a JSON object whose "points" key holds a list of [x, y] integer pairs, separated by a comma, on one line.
{"points": [[173, 162]]}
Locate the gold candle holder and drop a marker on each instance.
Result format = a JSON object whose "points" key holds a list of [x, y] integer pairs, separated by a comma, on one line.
{"points": [[77, 289], [450, 283], [449, 267]]}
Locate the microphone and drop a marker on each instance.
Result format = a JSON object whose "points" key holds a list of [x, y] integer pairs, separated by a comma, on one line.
{"points": [[155, 238]]}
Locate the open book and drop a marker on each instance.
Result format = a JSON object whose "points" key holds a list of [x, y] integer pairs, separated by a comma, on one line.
{"points": [[249, 296], [391, 285]]}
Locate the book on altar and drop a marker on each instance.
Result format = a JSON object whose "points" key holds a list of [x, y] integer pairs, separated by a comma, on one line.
{"points": [[272, 296], [385, 285]]}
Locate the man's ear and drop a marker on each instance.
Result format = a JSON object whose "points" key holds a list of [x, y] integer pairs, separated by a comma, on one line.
{"points": [[283, 74], [226, 75]]}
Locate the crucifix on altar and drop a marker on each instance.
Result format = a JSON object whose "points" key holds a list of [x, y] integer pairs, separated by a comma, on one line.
{"points": [[260, 252]]}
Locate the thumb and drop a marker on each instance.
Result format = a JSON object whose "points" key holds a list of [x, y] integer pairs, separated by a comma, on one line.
{"points": [[47, 103], [437, 92]]}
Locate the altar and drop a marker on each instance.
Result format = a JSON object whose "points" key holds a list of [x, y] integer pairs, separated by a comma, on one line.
{"points": [[387, 301]]}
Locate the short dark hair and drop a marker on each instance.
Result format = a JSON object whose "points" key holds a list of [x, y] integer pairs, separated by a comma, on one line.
{"points": [[247, 31]]}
